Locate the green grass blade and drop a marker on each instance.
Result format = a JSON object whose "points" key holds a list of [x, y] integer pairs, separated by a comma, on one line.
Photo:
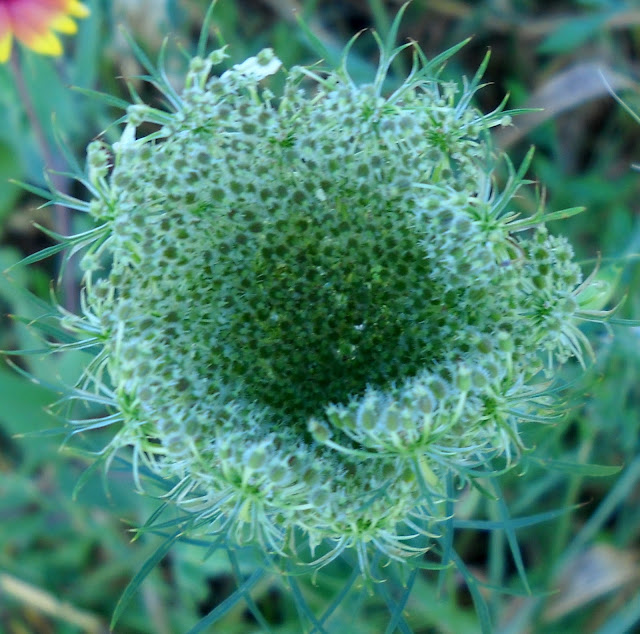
{"points": [[141, 575], [253, 608], [301, 604], [203, 39], [397, 616], [219, 611], [513, 523], [627, 619], [482, 609], [514, 547], [573, 468], [340, 598]]}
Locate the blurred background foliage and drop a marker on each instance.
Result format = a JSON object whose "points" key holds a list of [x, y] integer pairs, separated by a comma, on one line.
{"points": [[65, 561]]}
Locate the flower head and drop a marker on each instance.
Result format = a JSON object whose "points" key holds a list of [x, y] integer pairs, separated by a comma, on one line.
{"points": [[34, 23], [317, 306]]}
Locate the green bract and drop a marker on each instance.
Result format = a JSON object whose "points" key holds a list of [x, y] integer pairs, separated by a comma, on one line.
{"points": [[317, 306]]}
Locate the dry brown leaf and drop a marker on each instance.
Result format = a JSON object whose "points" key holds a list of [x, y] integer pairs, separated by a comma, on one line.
{"points": [[568, 89], [596, 572]]}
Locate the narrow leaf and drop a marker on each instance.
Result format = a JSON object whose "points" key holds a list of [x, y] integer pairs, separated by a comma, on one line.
{"points": [[141, 575]]}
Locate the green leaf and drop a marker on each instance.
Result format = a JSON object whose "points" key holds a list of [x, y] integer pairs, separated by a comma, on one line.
{"points": [[227, 604], [9, 169], [24, 412], [602, 288], [505, 518], [572, 33], [626, 619], [141, 575], [207, 24], [513, 523], [573, 468], [478, 600]]}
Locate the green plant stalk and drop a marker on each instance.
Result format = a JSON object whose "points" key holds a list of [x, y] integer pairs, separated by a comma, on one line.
{"points": [[61, 214]]}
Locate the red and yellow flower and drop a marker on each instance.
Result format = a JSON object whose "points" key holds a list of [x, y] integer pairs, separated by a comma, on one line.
{"points": [[35, 22]]}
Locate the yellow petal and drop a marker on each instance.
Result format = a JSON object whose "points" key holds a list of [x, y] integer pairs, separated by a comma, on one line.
{"points": [[46, 44], [77, 9], [64, 24], [5, 47]]}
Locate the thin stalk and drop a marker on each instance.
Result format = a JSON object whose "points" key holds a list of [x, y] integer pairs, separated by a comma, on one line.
{"points": [[61, 215]]}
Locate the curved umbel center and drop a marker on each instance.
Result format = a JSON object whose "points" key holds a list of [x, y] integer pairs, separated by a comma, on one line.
{"points": [[315, 307]]}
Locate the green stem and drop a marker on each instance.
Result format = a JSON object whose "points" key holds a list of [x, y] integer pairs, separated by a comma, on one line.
{"points": [[61, 215]]}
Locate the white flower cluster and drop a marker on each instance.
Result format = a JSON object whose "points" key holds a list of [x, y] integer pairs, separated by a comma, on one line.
{"points": [[317, 306]]}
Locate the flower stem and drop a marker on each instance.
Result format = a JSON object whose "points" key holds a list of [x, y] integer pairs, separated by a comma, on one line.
{"points": [[61, 215]]}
